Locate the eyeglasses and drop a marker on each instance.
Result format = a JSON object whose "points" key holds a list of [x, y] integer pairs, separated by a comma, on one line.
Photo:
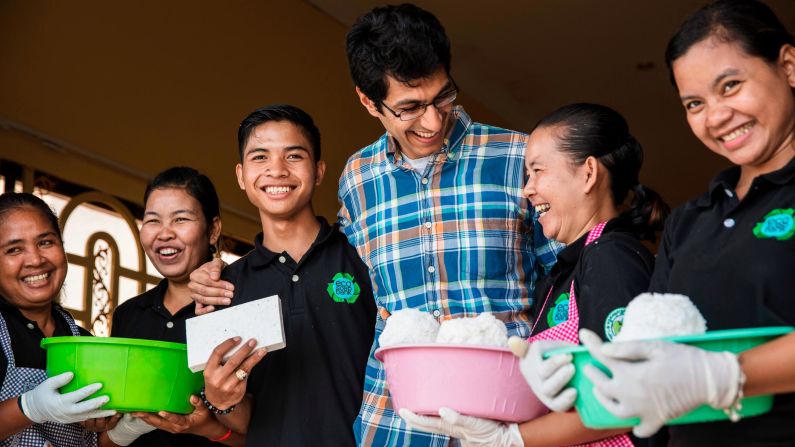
{"points": [[416, 111]]}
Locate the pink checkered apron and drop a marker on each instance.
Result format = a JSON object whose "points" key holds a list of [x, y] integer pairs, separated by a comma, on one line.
{"points": [[567, 331]]}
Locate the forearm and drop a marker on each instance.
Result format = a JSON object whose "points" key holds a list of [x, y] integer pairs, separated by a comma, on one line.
{"points": [[12, 420], [555, 429], [770, 368], [238, 420]]}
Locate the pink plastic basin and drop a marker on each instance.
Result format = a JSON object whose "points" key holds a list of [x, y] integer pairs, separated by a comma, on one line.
{"points": [[480, 381]]}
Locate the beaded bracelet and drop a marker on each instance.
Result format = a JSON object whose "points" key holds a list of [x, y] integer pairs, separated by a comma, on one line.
{"points": [[212, 407]]}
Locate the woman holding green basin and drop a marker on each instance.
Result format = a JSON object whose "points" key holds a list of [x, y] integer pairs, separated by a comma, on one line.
{"points": [[32, 271], [730, 250], [181, 230]]}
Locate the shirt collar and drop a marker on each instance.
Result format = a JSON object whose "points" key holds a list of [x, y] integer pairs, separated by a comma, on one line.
{"points": [[461, 122], [261, 256], [154, 296], [723, 184]]}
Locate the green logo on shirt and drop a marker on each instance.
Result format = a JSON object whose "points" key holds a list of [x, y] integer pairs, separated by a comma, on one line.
{"points": [[614, 322], [559, 312], [778, 224], [343, 289]]}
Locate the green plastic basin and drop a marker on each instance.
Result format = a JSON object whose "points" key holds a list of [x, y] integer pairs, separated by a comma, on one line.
{"points": [[137, 375], [594, 415]]}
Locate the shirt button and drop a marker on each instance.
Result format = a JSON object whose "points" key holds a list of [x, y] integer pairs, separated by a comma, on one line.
{"points": [[170, 324], [31, 326], [428, 225], [437, 313], [728, 192], [424, 181], [431, 269], [295, 278], [728, 223], [282, 259]]}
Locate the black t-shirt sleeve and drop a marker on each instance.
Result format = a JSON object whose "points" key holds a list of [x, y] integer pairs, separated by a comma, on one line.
{"points": [[610, 274], [664, 261]]}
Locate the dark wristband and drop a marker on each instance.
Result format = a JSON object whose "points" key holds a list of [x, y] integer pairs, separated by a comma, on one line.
{"points": [[213, 408]]}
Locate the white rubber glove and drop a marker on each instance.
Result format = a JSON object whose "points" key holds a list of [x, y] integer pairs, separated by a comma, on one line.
{"points": [[658, 381], [128, 430], [45, 404], [548, 377], [472, 431]]}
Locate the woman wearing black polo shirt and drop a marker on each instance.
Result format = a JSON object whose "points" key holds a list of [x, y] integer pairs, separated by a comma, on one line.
{"points": [[32, 271], [180, 231], [582, 163], [732, 249]]}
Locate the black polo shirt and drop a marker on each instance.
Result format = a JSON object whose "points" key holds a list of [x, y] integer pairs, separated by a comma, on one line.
{"points": [[607, 274], [26, 338], [309, 393], [734, 259], [146, 317]]}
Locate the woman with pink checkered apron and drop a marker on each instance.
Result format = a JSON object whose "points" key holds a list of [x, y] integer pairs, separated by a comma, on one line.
{"points": [[582, 164], [33, 413]]}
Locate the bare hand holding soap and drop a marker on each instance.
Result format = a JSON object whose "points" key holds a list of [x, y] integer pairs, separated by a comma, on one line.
{"points": [[260, 319]]}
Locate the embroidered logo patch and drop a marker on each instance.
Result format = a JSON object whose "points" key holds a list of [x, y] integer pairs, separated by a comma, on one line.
{"points": [[778, 224], [559, 311], [614, 322], [343, 288]]}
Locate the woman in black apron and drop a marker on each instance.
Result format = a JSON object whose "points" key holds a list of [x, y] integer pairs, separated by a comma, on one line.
{"points": [[582, 163], [732, 249], [32, 270]]}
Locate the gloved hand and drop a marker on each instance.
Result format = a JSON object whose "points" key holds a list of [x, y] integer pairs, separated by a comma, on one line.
{"points": [[45, 404], [548, 377], [128, 430], [470, 430], [658, 381]]}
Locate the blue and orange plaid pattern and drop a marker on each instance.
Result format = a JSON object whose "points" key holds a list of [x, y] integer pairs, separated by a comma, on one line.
{"points": [[456, 240]]}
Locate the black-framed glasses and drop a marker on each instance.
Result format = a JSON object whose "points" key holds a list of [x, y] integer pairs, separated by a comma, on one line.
{"points": [[443, 100]]}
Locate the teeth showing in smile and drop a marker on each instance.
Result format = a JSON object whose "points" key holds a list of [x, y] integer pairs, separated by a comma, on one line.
{"points": [[277, 189], [542, 208], [167, 251], [34, 278], [737, 133], [425, 134]]}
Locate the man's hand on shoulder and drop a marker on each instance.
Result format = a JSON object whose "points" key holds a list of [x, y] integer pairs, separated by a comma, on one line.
{"points": [[207, 289]]}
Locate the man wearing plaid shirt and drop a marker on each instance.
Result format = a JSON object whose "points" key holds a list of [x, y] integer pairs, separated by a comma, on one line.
{"points": [[434, 207]]}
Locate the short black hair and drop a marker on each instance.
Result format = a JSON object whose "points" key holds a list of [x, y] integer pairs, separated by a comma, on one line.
{"points": [[13, 201], [196, 184], [280, 112], [403, 41], [750, 23]]}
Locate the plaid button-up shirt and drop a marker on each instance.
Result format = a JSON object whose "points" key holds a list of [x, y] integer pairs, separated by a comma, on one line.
{"points": [[455, 240]]}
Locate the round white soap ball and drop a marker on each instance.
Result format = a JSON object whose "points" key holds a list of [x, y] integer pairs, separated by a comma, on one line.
{"points": [[656, 315], [482, 330], [409, 326]]}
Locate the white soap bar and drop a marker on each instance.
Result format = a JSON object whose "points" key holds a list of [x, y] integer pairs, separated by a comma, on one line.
{"points": [[260, 319]]}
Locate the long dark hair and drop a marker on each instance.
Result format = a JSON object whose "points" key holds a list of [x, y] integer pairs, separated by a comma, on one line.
{"points": [[593, 130]]}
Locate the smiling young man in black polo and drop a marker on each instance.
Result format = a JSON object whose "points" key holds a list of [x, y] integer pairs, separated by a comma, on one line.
{"points": [[308, 393]]}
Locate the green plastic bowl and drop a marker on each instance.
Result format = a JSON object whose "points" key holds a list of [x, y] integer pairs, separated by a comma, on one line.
{"points": [[594, 415], [137, 375]]}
